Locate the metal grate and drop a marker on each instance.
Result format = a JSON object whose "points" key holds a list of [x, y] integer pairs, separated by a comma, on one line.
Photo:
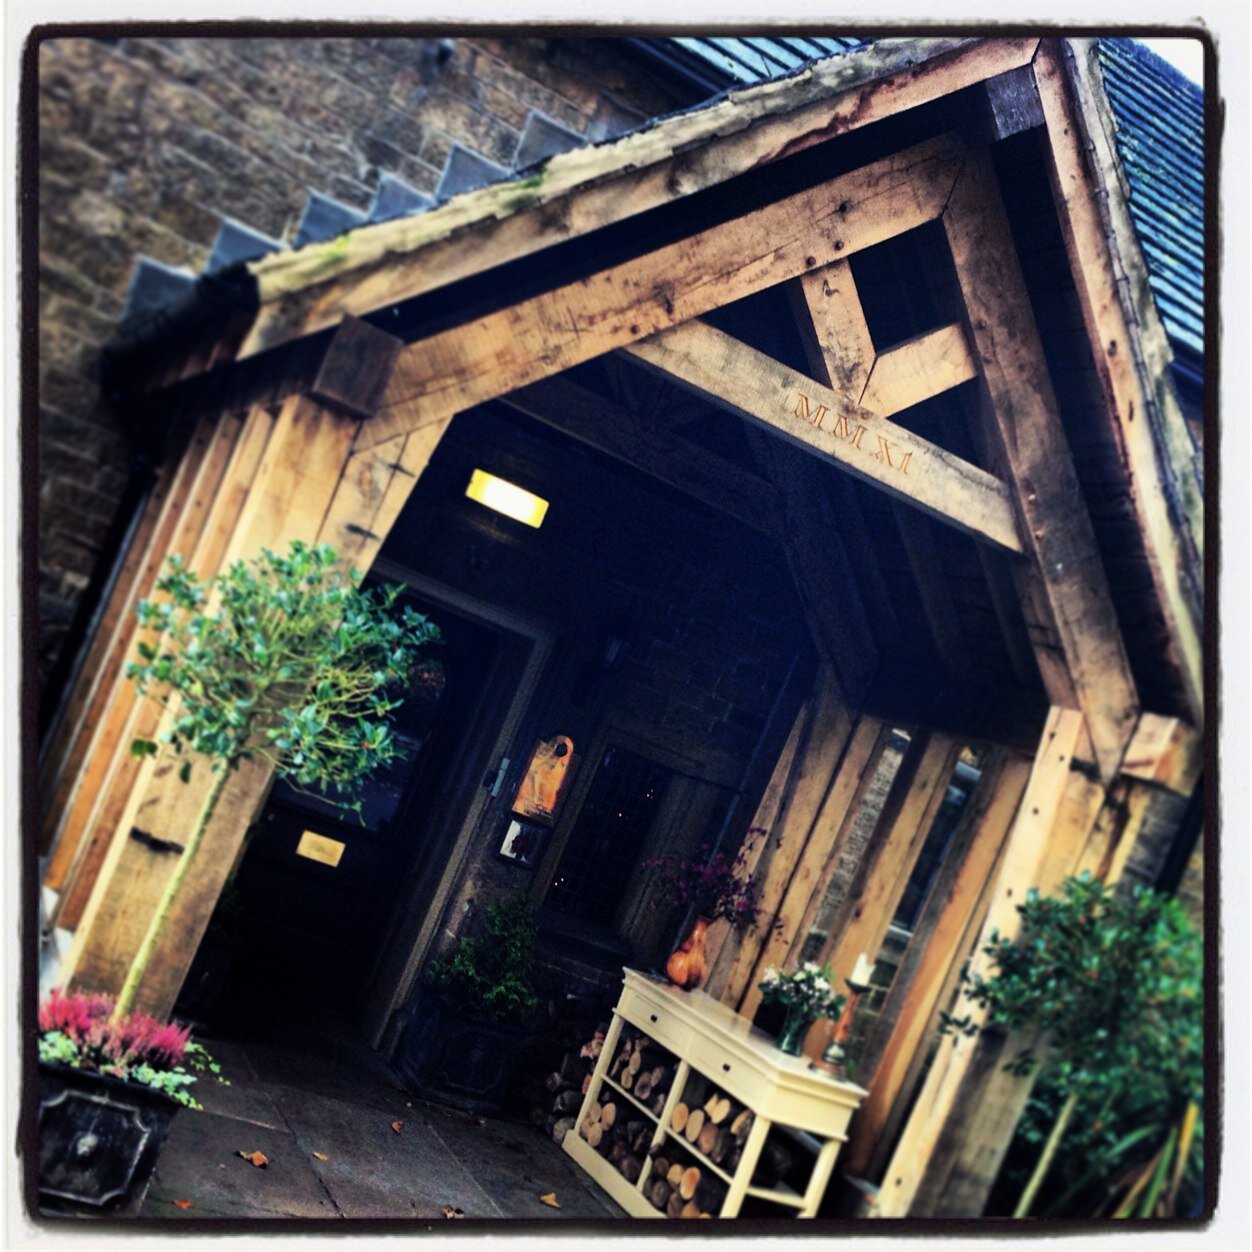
{"points": [[608, 835]]}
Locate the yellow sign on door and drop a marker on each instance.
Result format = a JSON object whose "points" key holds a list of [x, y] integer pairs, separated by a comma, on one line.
{"points": [[320, 848]]}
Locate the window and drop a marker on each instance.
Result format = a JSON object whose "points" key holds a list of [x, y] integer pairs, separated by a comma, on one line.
{"points": [[610, 830]]}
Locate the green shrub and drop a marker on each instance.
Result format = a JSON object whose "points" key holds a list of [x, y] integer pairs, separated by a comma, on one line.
{"points": [[489, 975]]}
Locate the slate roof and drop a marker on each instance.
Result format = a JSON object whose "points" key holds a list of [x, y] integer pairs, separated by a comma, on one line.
{"points": [[1159, 116], [1160, 138]]}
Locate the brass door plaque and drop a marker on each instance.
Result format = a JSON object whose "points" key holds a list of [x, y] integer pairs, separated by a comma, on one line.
{"points": [[320, 848]]}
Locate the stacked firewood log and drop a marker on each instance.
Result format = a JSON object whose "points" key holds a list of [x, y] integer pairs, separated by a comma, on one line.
{"points": [[684, 1171], [555, 1101], [613, 1123]]}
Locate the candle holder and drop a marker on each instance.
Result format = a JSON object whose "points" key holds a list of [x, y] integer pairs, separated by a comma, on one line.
{"points": [[834, 1060]]}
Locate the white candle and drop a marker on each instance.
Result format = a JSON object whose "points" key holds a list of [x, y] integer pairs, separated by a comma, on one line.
{"points": [[863, 972]]}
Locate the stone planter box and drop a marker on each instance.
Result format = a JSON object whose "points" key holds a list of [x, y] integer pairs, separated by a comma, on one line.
{"points": [[458, 1059], [98, 1140]]}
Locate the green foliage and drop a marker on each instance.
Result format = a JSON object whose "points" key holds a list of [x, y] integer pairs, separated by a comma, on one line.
{"points": [[490, 974], [281, 658], [1115, 979]]}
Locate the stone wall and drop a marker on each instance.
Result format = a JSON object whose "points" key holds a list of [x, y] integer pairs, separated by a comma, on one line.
{"points": [[191, 152]]}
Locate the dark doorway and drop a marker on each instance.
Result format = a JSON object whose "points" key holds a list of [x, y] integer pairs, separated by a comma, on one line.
{"points": [[316, 889]]}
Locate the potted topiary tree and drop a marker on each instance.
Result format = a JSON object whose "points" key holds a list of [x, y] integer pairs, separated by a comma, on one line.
{"points": [[282, 659], [474, 1012], [1113, 978]]}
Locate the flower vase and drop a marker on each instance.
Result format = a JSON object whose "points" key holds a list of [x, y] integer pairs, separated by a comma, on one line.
{"points": [[687, 966], [795, 1027]]}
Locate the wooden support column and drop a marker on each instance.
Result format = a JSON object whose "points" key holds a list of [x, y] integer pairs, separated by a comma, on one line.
{"points": [[1021, 412], [789, 812], [1093, 213], [798, 887], [891, 1061], [89, 796], [310, 485], [1052, 824], [861, 925], [68, 744], [962, 1123]]}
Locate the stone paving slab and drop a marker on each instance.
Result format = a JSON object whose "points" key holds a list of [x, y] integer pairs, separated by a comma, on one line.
{"points": [[338, 1099]]}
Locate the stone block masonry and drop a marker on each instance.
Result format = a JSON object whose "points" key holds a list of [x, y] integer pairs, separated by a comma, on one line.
{"points": [[147, 145]]}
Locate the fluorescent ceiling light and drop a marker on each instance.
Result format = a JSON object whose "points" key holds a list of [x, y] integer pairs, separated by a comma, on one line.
{"points": [[507, 498]]}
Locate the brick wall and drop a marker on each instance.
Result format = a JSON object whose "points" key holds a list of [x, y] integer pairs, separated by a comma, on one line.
{"points": [[147, 146]]}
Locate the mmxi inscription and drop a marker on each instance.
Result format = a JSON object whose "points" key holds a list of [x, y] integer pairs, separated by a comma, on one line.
{"points": [[887, 452]]}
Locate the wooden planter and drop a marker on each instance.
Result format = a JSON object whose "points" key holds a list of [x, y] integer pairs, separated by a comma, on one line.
{"points": [[99, 1139], [455, 1058]]}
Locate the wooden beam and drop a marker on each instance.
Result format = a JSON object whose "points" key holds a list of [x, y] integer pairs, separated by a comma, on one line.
{"points": [[581, 191], [86, 805], [1165, 751], [919, 369], [792, 896], [722, 950], [827, 727], [1023, 415], [550, 332], [655, 448], [1093, 215], [947, 926], [82, 719], [1052, 823], [876, 450], [866, 912]]}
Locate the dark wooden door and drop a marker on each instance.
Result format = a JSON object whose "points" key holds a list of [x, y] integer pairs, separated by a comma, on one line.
{"points": [[316, 888]]}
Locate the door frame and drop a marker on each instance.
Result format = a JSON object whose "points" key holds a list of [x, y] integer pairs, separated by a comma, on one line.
{"points": [[416, 921]]}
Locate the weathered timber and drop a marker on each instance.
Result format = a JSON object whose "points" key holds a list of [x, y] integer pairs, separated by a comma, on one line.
{"points": [[81, 746], [721, 955], [885, 869], [887, 456], [1012, 101], [1165, 751], [825, 727], [66, 746], [917, 370], [465, 365], [1094, 216], [1052, 824], [1024, 416], [816, 860], [583, 190], [354, 373], [649, 445], [891, 1059], [101, 805]]}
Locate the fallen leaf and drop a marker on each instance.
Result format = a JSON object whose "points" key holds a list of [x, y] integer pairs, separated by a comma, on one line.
{"points": [[182, 1204], [450, 1212], [397, 1126], [320, 1156], [259, 1159], [550, 1200]]}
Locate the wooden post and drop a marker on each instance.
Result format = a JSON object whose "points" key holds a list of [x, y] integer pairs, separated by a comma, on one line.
{"points": [[1093, 214], [946, 930], [309, 483], [893, 852], [1020, 411], [1056, 813]]}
